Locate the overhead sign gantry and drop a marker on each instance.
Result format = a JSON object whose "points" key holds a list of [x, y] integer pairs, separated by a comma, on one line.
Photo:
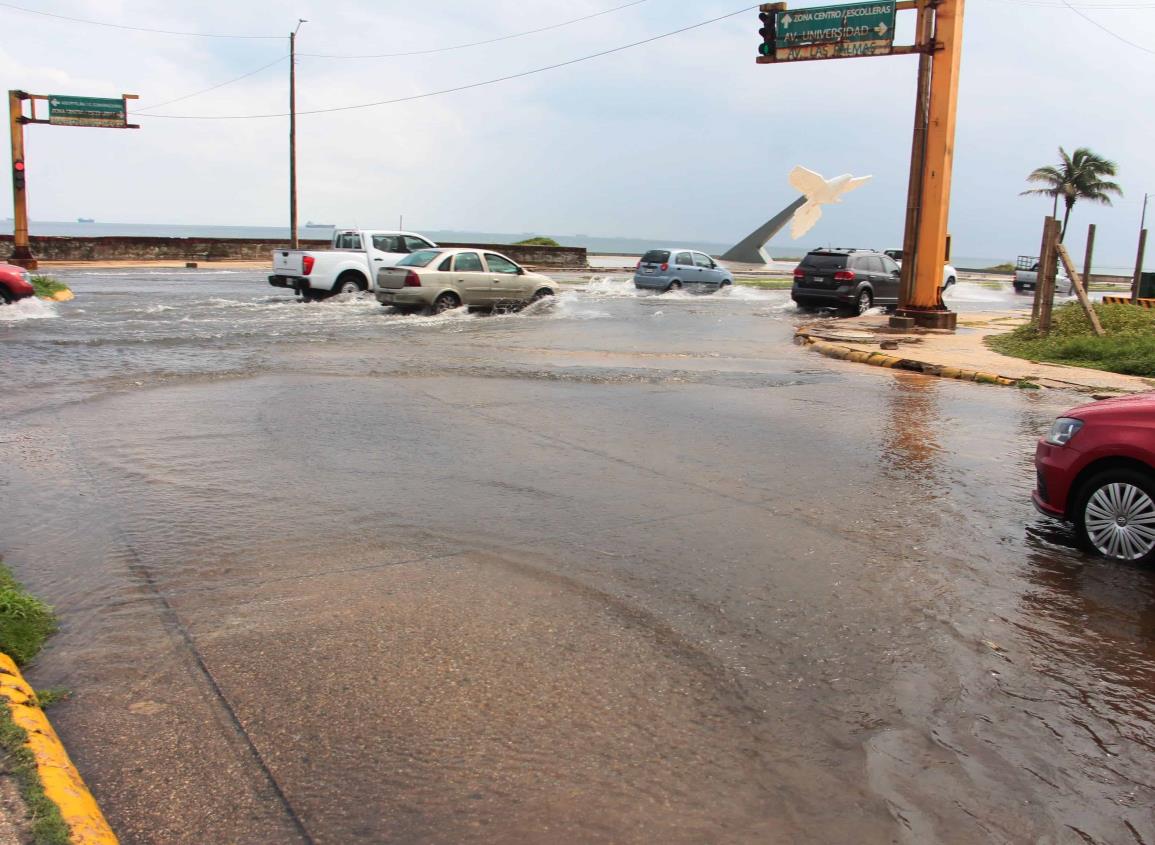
{"points": [[63, 110], [867, 29]]}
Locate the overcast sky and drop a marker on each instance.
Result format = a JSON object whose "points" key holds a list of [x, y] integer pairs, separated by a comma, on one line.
{"points": [[685, 138]]}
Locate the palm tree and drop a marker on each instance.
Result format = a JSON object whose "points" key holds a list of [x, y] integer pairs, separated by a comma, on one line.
{"points": [[1078, 176]]}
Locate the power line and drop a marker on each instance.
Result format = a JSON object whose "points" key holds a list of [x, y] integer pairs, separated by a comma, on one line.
{"points": [[471, 85], [1059, 4], [132, 28], [276, 61], [1112, 33], [479, 43]]}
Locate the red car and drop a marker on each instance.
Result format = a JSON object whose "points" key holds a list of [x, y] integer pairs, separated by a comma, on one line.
{"points": [[15, 283], [1096, 469]]}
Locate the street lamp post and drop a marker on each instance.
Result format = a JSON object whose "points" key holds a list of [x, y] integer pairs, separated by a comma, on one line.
{"points": [[293, 241]]}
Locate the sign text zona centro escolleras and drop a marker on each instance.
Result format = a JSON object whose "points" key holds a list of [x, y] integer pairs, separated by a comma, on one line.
{"points": [[837, 24]]}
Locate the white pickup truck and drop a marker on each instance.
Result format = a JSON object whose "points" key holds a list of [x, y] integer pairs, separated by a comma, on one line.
{"points": [[1027, 273], [949, 273], [350, 266]]}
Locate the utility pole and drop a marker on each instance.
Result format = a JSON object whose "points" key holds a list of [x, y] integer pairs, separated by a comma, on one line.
{"points": [[293, 241]]}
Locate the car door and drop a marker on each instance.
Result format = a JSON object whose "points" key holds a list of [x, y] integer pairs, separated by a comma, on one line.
{"points": [[506, 279], [685, 269], [471, 279], [385, 251], [892, 275], [412, 243], [707, 272]]}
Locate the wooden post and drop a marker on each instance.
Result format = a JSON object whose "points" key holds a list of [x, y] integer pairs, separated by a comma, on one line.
{"points": [[1039, 270], [1077, 284], [1046, 276], [21, 249], [1087, 256], [1138, 265]]}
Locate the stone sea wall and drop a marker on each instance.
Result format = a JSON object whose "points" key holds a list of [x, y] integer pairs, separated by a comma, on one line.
{"points": [[236, 249]]}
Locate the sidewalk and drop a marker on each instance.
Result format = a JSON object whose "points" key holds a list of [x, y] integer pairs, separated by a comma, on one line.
{"points": [[959, 355]]}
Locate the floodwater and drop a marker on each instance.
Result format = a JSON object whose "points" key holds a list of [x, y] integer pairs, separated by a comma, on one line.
{"points": [[618, 568]]}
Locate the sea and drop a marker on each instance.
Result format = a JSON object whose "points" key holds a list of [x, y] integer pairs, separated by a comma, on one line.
{"points": [[319, 231]]}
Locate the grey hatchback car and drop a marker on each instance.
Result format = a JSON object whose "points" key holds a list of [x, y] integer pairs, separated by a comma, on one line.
{"points": [[674, 269]]}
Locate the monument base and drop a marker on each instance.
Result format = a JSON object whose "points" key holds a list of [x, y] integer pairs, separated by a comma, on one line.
{"points": [[930, 318]]}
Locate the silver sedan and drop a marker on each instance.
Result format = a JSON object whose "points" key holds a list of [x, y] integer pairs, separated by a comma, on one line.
{"points": [[436, 280]]}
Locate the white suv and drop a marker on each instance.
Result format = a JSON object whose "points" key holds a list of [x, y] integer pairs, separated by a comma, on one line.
{"points": [[949, 273]]}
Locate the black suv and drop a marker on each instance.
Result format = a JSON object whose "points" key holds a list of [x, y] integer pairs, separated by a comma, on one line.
{"points": [[853, 280]]}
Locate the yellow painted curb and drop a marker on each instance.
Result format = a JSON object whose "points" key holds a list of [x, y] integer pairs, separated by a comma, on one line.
{"points": [[881, 359], [62, 783], [63, 296]]}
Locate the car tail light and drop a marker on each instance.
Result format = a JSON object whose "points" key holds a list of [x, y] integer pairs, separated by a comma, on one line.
{"points": [[844, 276], [412, 280], [799, 272], [639, 266], [307, 264], [665, 267]]}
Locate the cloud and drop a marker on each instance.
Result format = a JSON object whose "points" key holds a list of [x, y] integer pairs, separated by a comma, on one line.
{"points": [[685, 138]]}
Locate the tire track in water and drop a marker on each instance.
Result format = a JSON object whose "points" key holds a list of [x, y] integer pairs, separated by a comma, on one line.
{"points": [[180, 634]]}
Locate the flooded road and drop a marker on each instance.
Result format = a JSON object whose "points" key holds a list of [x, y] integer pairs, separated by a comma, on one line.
{"points": [[614, 569]]}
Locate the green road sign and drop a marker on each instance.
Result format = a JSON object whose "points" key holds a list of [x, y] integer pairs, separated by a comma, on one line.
{"points": [[86, 111], [857, 29]]}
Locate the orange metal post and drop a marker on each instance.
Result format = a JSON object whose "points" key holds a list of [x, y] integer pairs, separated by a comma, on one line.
{"points": [[21, 251], [936, 182]]}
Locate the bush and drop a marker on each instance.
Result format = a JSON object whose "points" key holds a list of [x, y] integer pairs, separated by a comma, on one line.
{"points": [[537, 241], [1128, 347]]}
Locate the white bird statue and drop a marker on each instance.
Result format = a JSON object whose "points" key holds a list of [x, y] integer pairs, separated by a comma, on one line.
{"points": [[818, 192]]}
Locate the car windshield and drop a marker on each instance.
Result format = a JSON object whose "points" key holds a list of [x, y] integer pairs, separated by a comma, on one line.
{"points": [[656, 256], [824, 261], [419, 259]]}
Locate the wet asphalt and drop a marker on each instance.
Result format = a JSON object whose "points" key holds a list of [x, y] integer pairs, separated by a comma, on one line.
{"points": [[619, 568]]}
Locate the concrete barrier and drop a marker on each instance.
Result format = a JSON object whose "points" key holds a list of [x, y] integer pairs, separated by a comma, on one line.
{"points": [[1126, 300], [243, 249], [62, 783]]}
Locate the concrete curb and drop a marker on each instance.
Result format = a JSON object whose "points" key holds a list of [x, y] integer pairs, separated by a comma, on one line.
{"points": [[881, 359], [62, 783]]}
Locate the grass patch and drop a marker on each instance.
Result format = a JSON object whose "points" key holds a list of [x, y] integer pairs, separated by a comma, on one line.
{"points": [[999, 268], [47, 286], [52, 695], [537, 241], [47, 825], [1128, 347], [25, 623], [766, 283]]}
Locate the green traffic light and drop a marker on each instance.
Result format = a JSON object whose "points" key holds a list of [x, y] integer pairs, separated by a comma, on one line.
{"points": [[764, 49]]}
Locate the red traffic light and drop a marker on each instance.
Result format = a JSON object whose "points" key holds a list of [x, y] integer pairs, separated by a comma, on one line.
{"points": [[19, 165]]}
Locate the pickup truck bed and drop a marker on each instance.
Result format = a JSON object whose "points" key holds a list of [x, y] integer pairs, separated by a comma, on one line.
{"points": [[349, 267]]}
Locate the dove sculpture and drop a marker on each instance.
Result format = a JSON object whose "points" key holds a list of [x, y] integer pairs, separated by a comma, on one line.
{"points": [[801, 214]]}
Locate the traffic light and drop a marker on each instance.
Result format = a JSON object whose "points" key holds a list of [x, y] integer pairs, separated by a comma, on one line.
{"points": [[18, 174], [766, 48]]}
